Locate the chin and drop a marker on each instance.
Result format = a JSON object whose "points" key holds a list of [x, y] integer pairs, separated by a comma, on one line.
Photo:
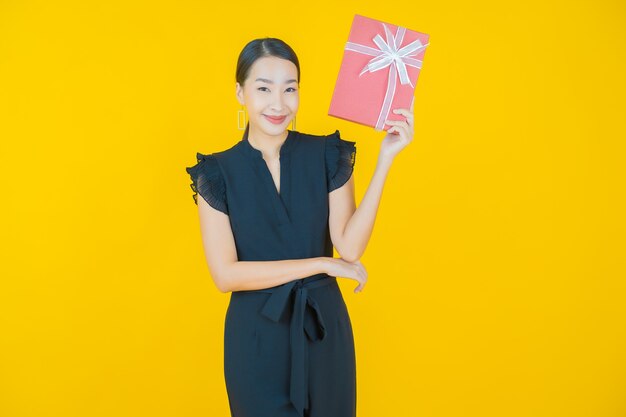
{"points": [[273, 130]]}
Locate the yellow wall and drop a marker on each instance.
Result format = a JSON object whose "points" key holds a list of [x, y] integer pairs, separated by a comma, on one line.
{"points": [[496, 269]]}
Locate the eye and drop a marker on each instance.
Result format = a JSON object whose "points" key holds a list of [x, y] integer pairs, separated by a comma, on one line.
{"points": [[261, 88], [291, 88]]}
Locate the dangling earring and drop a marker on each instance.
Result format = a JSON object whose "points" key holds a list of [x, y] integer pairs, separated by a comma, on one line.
{"points": [[241, 116], [293, 123]]}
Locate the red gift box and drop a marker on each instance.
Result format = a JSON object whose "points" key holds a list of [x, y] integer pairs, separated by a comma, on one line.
{"points": [[379, 69]]}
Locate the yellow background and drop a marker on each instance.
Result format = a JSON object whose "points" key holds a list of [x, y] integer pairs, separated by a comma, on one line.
{"points": [[496, 269]]}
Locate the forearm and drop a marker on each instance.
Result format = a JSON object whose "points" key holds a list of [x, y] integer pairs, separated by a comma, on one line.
{"points": [[359, 228], [255, 275]]}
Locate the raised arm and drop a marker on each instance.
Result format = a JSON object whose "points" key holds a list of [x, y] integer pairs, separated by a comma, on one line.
{"points": [[351, 227]]}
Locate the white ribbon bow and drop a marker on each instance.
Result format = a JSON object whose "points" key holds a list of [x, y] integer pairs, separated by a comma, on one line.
{"points": [[390, 55]]}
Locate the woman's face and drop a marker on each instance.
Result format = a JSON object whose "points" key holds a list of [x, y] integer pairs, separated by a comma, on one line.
{"points": [[271, 89]]}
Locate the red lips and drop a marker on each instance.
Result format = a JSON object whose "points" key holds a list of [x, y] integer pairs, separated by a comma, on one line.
{"points": [[275, 119]]}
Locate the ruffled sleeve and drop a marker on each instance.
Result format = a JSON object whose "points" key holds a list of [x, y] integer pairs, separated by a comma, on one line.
{"points": [[207, 181], [340, 156]]}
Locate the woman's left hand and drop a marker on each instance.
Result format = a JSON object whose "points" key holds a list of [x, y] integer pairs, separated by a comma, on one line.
{"points": [[399, 135]]}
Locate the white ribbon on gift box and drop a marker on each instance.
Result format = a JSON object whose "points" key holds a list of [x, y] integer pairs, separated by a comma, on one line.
{"points": [[390, 55]]}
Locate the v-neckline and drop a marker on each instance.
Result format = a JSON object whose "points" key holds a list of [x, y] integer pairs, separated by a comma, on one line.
{"points": [[280, 175], [281, 153], [280, 198]]}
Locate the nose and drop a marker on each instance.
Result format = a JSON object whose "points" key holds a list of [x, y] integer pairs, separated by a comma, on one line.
{"points": [[277, 102]]}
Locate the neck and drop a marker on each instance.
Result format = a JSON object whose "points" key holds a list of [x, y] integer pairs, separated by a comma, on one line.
{"points": [[269, 145]]}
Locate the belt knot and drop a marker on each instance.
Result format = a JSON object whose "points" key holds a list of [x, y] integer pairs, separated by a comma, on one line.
{"points": [[306, 322]]}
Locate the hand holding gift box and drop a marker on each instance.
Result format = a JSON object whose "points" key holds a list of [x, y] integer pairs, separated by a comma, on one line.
{"points": [[377, 75]]}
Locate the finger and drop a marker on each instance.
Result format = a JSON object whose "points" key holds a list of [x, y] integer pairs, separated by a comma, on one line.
{"points": [[401, 129], [405, 124], [412, 101], [398, 130], [397, 123], [405, 112]]}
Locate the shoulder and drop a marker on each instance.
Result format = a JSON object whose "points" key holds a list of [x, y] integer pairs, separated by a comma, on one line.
{"points": [[207, 178], [211, 165], [325, 141], [221, 156], [307, 141], [332, 145], [322, 138], [338, 154], [340, 157], [217, 162], [335, 140]]}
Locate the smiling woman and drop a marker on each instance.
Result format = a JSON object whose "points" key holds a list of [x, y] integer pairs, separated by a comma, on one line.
{"points": [[272, 208], [262, 203]]}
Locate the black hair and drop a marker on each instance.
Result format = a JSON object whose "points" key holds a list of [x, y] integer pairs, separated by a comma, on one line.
{"points": [[259, 48]]}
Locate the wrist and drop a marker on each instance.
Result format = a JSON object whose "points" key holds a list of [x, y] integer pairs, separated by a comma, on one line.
{"points": [[322, 264], [385, 159]]}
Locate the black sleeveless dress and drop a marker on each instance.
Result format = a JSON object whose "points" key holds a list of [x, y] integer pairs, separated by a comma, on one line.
{"points": [[288, 349]]}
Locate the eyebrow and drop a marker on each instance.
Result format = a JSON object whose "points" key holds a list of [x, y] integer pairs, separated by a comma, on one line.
{"points": [[265, 80]]}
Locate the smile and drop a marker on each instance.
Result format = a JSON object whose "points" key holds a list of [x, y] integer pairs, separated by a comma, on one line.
{"points": [[275, 120]]}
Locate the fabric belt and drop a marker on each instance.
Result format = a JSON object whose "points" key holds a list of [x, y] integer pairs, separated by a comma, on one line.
{"points": [[301, 323]]}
